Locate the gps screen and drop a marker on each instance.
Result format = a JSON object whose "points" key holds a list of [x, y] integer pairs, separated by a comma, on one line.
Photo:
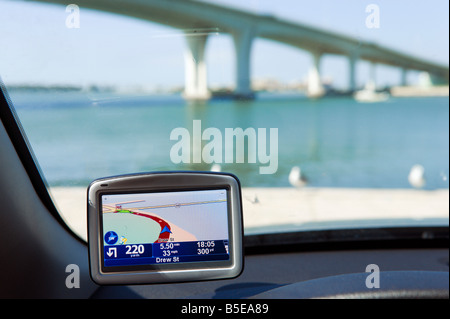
{"points": [[164, 228]]}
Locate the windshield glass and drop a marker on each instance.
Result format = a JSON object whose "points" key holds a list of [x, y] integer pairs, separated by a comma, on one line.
{"points": [[332, 115]]}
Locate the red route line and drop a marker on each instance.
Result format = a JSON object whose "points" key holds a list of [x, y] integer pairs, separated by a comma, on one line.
{"points": [[163, 237]]}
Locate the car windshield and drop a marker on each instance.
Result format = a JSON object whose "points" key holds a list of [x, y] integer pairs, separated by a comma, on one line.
{"points": [[331, 114]]}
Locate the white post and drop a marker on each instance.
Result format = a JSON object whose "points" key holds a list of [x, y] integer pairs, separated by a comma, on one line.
{"points": [[315, 88], [243, 43], [196, 86]]}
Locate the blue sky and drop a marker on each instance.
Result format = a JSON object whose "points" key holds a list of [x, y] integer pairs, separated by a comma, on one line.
{"points": [[114, 50]]}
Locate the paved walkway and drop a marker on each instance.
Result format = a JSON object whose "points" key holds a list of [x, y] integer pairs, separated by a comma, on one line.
{"points": [[308, 208]]}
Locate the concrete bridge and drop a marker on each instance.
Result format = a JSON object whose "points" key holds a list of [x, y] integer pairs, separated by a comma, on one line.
{"points": [[198, 19]]}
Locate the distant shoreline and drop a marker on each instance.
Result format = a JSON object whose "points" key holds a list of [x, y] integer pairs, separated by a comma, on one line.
{"points": [[413, 91], [225, 93]]}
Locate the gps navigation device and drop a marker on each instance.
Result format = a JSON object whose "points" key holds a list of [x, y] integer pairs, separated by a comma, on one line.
{"points": [[165, 227]]}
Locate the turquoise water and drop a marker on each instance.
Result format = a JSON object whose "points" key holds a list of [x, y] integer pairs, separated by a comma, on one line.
{"points": [[78, 137]]}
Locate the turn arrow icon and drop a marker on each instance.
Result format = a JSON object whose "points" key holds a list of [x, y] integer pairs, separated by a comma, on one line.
{"points": [[112, 251]]}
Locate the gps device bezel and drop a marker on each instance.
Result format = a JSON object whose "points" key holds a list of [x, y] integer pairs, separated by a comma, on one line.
{"points": [[157, 183]]}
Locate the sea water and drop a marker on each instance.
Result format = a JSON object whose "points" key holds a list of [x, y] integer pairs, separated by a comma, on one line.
{"points": [[337, 142]]}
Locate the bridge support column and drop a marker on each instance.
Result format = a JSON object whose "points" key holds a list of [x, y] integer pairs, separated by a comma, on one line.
{"points": [[403, 80], [372, 82], [243, 44], [352, 59], [196, 86], [315, 88]]}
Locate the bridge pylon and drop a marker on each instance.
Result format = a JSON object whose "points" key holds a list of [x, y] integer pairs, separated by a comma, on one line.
{"points": [[196, 83]]}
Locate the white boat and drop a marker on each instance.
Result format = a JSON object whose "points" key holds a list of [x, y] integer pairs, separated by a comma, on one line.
{"points": [[369, 95]]}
